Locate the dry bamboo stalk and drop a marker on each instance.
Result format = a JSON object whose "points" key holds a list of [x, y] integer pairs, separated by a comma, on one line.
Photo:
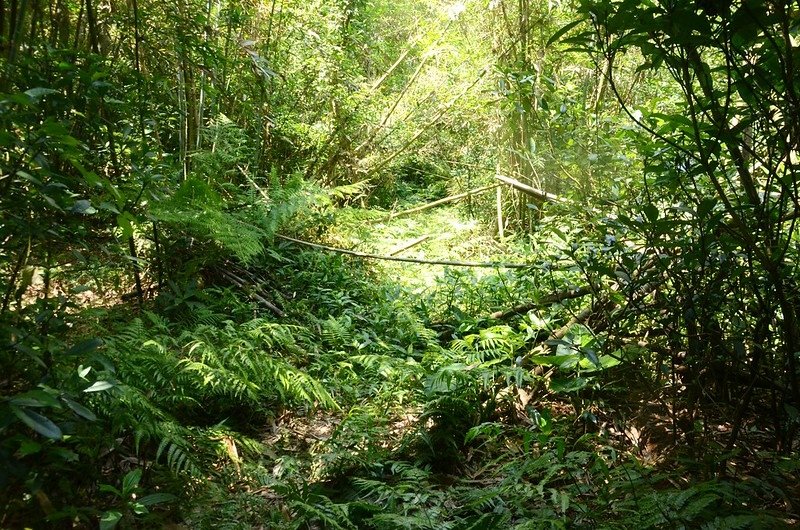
{"points": [[239, 282], [405, 260], [407, 246], [440, 202], [530, 190], [560, 296]]}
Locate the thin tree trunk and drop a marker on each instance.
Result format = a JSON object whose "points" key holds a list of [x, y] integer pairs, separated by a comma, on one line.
{"points": [[136, 271], [16, 21], [36, 16], [92, 26], [183, 128], [159, 264], [78, 27], [22, 260], [137, 38], [2, 25], [500, 227]]}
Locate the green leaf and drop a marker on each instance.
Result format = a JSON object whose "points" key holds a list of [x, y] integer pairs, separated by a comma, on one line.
{"points": [[83, 206], [552, 360], [35, 398], [99, 386], [37, 422], [109, 520], [706, 206], [84, 347], [20, 99], [561, 32], [125, 221], [28, 447], [38, 92], [156, 498], [651, 211], [131, 481], [567, 385], [108, 488], [79, 409], [592, 356]]}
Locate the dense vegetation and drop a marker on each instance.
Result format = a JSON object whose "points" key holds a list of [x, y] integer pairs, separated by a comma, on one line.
{"points": [[609, 335]]}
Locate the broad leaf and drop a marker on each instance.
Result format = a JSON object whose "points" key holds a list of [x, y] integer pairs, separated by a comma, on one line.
{"points": [[37, 422]]}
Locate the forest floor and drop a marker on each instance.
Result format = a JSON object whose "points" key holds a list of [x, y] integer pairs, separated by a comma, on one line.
{"points": [[442, 436]]}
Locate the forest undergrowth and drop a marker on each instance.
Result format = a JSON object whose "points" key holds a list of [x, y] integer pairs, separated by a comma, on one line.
{"points": [[370, 394], [375, 403], [196, 332]]}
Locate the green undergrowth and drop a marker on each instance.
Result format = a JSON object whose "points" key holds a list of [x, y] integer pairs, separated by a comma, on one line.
{"points": [[370, 403], [456, 430], [450, 232]]}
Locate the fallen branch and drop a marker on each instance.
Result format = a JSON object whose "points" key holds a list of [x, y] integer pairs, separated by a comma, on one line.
{"points": [[239, 282], [530, 190], [560, 296], [439, 202], [405, 260], [409, 245], [580, 318]]}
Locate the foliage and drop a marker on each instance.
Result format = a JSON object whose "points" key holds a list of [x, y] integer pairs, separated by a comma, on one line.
{"points": [[170, 356]]}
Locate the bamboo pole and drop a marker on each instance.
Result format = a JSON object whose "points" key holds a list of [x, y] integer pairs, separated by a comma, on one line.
{"points": [[405, 260], [430, 124], [409, 245], [500, 228], [560, 296], [530, 190], [439, 202]]}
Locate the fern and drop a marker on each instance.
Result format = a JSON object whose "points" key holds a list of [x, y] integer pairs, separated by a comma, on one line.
{"points": [[490, 343], [338, 333], [226, 362], [164, 375], [409, 522], [735, 522], [234, 233]]}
